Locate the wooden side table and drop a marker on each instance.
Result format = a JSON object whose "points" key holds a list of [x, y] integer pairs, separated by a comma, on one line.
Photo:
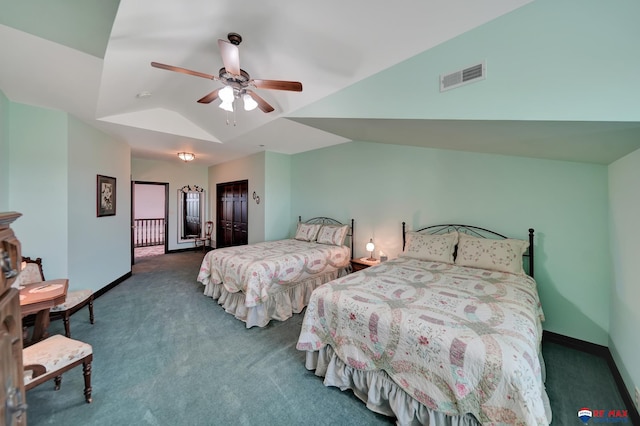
{"points": [[38, 298], [362, 263]]}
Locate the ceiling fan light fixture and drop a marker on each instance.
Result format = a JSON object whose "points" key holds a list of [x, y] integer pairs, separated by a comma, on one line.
{"points": [[186, 156], [249, 103], [226, 94], [226, 105]]}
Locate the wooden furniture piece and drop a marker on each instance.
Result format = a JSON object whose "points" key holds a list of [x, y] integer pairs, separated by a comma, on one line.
{"points": [[38, 298], [12, 407], [208, 230], [51, 357], [362, 263], [33, 272]]}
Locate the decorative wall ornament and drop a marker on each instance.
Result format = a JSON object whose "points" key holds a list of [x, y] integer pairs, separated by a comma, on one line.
{"points": [[256, 197], [190, 188]]}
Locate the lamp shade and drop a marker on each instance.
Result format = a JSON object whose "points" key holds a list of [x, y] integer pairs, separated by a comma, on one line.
{"points": [[226, 105], [249, 103], [186, 156], [370, 246], [226, 94]]}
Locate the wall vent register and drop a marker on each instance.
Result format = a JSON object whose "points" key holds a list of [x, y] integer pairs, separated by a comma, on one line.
{"points": [[467, 75]]}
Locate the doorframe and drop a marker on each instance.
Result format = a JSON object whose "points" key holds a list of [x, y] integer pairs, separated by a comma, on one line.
{"points": [[166, 214]]}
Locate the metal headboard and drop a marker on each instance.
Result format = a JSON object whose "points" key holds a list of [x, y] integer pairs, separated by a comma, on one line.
{"points": [[474, 231], [321, 220]]}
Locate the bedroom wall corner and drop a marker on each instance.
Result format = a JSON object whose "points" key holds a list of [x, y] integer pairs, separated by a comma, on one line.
{"points": [[624, 205]]}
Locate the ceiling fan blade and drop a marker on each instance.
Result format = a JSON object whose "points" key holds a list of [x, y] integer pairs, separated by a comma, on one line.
{"points": [[294, 86], [184, 71], [262, 104], [210, 97], [230, 56]]}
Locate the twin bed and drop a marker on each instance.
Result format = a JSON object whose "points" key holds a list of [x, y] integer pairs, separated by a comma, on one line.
{"points": [[449, 333], [273, 280]]}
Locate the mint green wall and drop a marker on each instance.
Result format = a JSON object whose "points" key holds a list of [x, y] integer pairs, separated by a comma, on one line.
{"points": [[4, 152], [53, 162], [38, 147], [382, 185], [83, 25], [177, 174], [251, 168], [624, 334], [93, 239], [277, 197], [548, 60]]}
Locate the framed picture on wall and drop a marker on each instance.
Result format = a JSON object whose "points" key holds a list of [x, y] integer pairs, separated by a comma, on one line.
{"points": [[106, 196]]}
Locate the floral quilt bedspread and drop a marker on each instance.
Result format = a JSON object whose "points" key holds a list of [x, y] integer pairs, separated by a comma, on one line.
{"points": [[459, 340], [254, 269]]}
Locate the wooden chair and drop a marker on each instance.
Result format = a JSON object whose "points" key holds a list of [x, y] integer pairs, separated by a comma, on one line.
{"points": [[77, 299], [51, 357], [208, 230]]}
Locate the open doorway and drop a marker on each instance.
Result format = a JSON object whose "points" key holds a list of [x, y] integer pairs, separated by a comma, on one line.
{"points": [[149, 216]]}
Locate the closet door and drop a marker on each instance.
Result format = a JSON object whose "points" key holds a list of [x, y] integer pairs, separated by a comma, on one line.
{"points": [[232, 213]]}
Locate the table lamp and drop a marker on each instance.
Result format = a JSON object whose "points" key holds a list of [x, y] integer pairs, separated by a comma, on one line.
{"points": [[370, 247]]}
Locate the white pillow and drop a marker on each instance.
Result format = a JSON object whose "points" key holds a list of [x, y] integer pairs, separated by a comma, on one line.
{"points": [[436, 248], [496, 255], [333, 234], [307, 232]]}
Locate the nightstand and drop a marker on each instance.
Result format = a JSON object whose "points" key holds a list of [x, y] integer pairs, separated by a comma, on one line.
{"points": [[362, 263]]}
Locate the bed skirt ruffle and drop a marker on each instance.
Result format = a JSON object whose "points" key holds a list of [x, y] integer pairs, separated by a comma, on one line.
{"points": [[379, 392], [283, 301]]}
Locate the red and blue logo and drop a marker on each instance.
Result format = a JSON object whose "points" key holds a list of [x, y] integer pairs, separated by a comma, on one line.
{"points": [[585, 415], [603, 416]]}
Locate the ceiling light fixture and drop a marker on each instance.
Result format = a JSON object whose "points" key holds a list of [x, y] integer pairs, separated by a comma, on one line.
{"points": [[228, 95], [249, 103], [186, 156], [226, 105]]}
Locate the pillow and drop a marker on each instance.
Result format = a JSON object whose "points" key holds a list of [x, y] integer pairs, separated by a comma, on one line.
{"points": [[307, 232], [436, 248], [333, 234], [496, 255]]}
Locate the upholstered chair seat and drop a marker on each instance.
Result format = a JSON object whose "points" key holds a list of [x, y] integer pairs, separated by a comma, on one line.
{"points": [[51, 357], [76, 300], [32, 272]]}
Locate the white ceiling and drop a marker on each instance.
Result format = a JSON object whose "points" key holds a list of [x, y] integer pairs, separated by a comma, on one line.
{"points": [[325, 45]]}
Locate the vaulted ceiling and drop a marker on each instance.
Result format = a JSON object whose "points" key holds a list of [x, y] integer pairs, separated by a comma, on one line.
{"points": [[94, 61]]}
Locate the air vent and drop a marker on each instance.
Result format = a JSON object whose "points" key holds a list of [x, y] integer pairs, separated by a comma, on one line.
{"points": [[460, 78]]}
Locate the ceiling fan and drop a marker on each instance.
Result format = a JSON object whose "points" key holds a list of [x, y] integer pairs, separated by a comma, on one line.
{"points": [[237, 82]]}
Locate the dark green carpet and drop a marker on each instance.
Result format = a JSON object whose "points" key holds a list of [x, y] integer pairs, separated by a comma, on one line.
{"points": [[164, 354]]}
